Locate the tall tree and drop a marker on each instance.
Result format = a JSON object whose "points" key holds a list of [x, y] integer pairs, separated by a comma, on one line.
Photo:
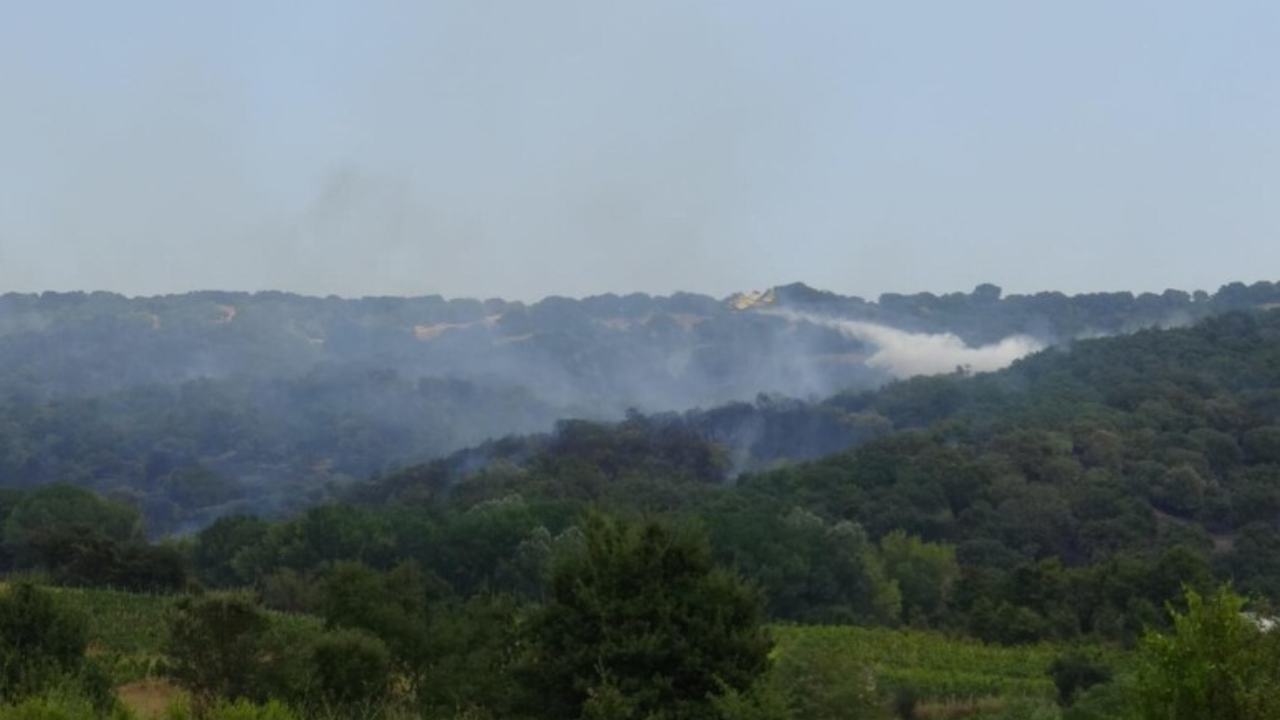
{"points": [[1218, 664], [639, 618]]}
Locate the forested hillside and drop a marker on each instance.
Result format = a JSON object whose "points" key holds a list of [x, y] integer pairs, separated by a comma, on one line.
{"points": [[196, 406], [1077, 490], [1076, 497]]}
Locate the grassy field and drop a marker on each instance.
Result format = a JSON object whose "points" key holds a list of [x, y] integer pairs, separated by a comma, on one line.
{"points": [[952, 677], [127, 631], [931, 664]]}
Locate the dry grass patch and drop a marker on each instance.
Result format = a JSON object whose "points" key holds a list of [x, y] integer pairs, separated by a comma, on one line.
{"points": [[150, 698]]}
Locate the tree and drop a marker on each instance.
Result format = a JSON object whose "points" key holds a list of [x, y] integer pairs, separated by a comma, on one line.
{"points": [[49, 524], [925, 573], [40, 640], [1217, 664], [390, 606], [218, 547], [352, 667], [213, 645], [1263, 443], [642, 621], [474, 645]]}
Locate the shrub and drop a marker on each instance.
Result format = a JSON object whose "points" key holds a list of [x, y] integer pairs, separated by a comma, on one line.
{"points": [[352, 667], [48, 708], [1074, 673], [391, 606], [1106, 701], [474, 644], [284, 667], [822, 686], [232, 710], [213, 645], [40, 640], [1215, 663], [63, 702], [764, 701]]}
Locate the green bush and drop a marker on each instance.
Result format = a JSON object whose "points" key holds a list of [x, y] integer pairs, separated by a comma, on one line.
{"points": [[284, 667], [820, 685], [352, 667], [1075, 672], [213, 645], [764, 701], [1216, 664], [1107, 701], [45, 708], [233, 710], [474, 645], [65, 702], [41, 640]]}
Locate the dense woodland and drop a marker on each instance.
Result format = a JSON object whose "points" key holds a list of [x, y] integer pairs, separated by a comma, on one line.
{"points": [[1077, 497], [197, 406]]}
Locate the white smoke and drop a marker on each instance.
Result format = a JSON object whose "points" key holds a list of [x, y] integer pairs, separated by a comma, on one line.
{"points": [[904, 354]]}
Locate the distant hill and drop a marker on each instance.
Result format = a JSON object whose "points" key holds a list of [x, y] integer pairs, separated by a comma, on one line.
{"points": [[196, 405]]}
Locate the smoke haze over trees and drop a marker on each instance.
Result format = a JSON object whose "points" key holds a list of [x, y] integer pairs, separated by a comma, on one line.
{"points": [[201, 404]]}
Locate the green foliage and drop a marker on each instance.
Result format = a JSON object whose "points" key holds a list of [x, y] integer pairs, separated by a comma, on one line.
{"points": [[41, 640], [81, 538], [1076, 672], [932, 665], [127, 630], [1216, 664], [233, 710], [60, 703], [352, 668], [217, 552], [390, 606], [822, 685], [925, 574], [475, 647], [1105, 701], [642, 614], [808, 568], [1066, 499], [43, 515], [213, 645], [763, 701]]}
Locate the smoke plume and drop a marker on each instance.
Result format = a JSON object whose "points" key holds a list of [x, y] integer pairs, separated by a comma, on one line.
{"points": [[903, 354]]}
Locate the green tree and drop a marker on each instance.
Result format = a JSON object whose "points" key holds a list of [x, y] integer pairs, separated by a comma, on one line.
{"points": [[46, 526], [474, 647], [213, 645], [352, 667], [1216, 664], [218, 547], [391, 606], [641, 621], [925, 573], [40, 640], [820, 685]]}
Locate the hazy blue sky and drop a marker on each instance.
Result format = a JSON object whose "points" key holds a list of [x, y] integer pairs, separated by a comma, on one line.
{"points": [[529, 147]]}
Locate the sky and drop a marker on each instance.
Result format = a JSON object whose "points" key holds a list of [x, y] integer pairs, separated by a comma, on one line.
{"points": [[574, 147]]}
